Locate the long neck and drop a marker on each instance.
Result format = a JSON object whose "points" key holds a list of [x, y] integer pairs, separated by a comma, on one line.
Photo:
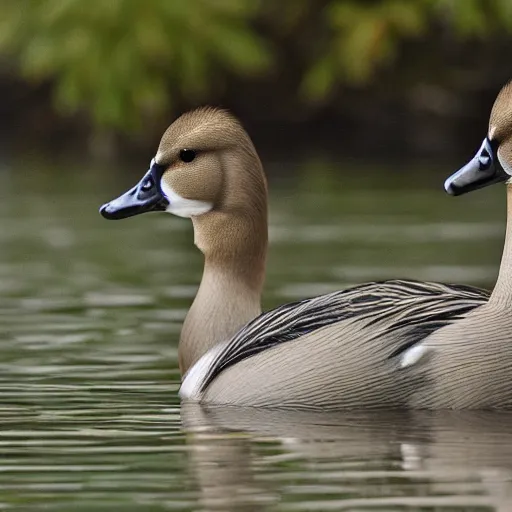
{"points": [[230, 292], [502, 293]]}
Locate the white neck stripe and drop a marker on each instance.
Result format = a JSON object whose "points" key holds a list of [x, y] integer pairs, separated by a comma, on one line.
{"points": [[181, 206]]}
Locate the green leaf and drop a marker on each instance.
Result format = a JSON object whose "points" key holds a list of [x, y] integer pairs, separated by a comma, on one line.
{"points": [[319, 80]]}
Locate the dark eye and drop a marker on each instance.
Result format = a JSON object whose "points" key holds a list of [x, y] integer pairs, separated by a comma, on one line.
{"points": [[187, 155]]}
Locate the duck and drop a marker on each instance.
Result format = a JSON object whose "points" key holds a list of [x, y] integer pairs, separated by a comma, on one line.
{"points": [[468, 365], [347, 349]]}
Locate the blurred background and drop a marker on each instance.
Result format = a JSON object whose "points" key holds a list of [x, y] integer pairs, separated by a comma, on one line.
{"points": [[382, 79], [359, 109]]}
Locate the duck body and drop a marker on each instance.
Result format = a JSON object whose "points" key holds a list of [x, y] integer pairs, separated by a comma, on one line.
{"points": [[469, 363], [363, 347], [346, 349]]}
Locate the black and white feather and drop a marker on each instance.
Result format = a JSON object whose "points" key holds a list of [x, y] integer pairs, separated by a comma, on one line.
{"points": [[414, 307]]}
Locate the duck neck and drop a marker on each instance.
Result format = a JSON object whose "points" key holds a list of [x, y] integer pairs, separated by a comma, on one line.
{"points": [[502, 293], [229, 295]]}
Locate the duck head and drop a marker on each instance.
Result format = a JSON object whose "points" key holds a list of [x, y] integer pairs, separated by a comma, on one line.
{"points": [[493, 161], [206, 168], [205, 162]]}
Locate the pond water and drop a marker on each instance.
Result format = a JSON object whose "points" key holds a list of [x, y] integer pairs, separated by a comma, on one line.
{"points": [[90, 314]]}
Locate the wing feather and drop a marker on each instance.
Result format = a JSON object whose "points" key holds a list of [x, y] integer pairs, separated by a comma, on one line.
{"points": [[416, 307]]}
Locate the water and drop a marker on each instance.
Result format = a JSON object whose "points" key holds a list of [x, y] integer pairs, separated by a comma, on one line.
{"points": [[90, 313]]}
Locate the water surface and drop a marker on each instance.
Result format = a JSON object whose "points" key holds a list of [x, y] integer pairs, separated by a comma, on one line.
{"points": [[90, 314]]}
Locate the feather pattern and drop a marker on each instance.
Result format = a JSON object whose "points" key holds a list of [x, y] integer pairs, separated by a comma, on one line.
{"points": [[414, 307]]}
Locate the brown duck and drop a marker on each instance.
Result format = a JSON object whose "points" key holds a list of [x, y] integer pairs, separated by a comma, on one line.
{"points": [[469, 364], [345, 349]]}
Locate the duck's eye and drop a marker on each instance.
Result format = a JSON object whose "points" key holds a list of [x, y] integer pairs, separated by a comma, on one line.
{"points": [[187, 155]]}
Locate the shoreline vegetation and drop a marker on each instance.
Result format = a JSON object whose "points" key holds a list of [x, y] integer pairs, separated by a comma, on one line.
{"points": [[390, 78]]}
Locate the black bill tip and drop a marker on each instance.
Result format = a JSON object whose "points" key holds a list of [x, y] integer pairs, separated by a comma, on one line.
{"points": [[112, 213]]}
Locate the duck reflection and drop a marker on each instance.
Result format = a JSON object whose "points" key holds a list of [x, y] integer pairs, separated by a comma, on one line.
{"points": [[256, 459]]}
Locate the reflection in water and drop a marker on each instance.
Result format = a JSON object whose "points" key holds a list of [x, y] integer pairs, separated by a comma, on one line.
{"points": [[222, 464], [453, 460], [90, 314]]}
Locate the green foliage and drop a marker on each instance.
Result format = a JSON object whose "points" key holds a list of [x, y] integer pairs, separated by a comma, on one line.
{"points": [[476, 17], [120, 59], [365, 35]]}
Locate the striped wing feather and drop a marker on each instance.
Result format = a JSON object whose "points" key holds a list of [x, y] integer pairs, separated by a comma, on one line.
{"points": [[418, 307]]}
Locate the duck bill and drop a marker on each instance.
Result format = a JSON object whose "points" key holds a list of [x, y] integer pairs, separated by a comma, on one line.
{"points": [[483, 170], [146, 196]]}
